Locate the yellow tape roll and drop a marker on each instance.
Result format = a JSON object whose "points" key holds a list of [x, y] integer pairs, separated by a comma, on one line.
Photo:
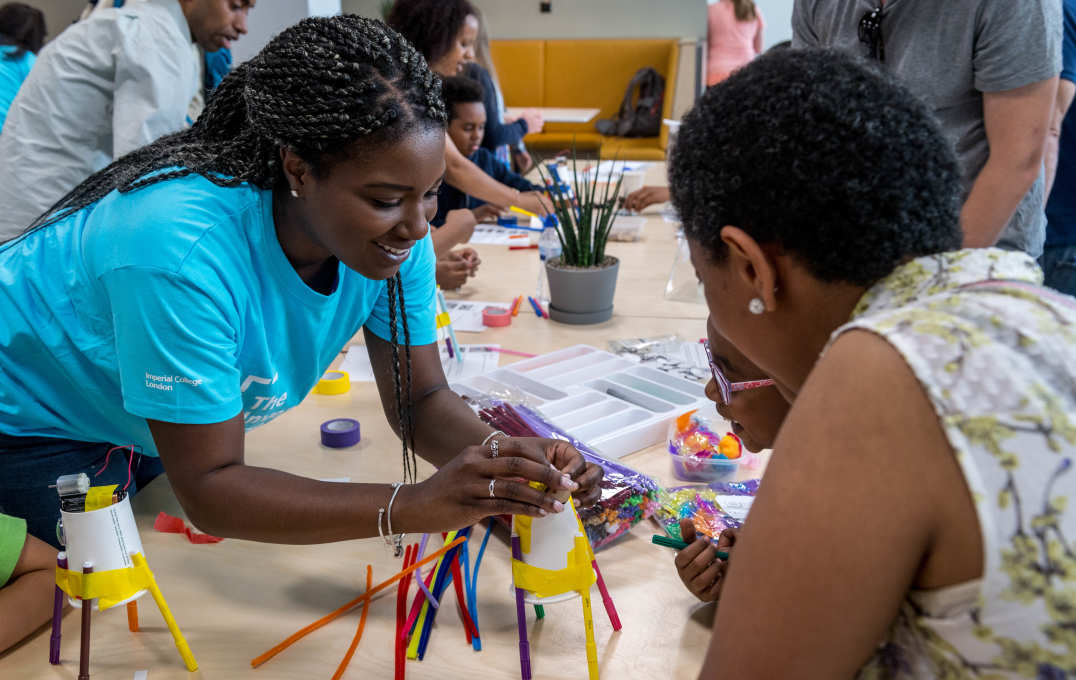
{"points": [[333, 382]]}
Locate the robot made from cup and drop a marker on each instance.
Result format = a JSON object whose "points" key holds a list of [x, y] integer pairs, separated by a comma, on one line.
{"points": [[103, 565], [552, 561]]}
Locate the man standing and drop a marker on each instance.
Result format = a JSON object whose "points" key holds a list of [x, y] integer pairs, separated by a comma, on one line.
{"points": [[988, 69], [104, 87]]}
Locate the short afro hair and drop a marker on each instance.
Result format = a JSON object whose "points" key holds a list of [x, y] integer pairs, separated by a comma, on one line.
{"points": [[430, 25], [824, 155], [460, 90]]}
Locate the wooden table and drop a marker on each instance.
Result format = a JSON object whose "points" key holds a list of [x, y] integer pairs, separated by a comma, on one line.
{"points": [[556, 114], [236, 599]]}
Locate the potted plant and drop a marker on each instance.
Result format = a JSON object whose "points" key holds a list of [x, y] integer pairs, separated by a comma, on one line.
{"points": [[582, 280]]}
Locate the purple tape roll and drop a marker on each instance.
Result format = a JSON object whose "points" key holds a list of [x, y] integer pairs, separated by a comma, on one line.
{"points": [[340, 432]]}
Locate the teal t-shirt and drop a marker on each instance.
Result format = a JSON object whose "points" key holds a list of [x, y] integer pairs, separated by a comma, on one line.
{"points": [[175, 302], [13, 70], [12, 539]]}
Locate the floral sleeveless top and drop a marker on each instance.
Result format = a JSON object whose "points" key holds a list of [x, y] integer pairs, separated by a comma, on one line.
{"points": [[998, 362]]}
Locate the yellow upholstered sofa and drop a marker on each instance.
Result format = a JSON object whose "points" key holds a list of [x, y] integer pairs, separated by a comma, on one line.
{"points": [[585, 74]]}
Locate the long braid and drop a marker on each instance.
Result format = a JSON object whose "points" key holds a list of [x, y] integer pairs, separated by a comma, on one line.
{"points": [[402, 411], [317, 88], [409, 411]]}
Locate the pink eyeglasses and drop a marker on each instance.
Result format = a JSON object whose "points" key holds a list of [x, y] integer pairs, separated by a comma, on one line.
{"points": [[725, 387]]}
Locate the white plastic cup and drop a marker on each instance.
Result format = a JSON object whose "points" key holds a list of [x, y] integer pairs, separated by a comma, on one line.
{"points": [[105, 538], [552, 538]]}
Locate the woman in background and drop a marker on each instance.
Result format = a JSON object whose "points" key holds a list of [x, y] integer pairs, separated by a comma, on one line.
{"points": [[734, 37], [22, 32], [445, 31], [504, 136]]}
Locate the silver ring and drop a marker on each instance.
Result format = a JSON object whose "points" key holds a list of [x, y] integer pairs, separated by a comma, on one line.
{"points": [[495, 450], [491, 483]]}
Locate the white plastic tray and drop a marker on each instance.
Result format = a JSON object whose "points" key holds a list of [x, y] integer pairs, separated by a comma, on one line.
{"points": [[612, 404]]}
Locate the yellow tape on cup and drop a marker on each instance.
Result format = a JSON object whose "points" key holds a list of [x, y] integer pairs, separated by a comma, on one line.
{"points": [[99, 497], [333, 382]]}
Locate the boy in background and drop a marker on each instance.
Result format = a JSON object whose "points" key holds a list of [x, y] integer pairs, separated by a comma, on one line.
{"points": [[458, 213]]}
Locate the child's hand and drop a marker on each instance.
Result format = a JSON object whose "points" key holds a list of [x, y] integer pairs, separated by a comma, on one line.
{"points": [[645, 197], [452, 270], [699, 568], [486, 213], [470, 256]]}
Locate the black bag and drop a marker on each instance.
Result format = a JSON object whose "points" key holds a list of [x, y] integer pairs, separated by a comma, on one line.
{"points": [[640, 111]]}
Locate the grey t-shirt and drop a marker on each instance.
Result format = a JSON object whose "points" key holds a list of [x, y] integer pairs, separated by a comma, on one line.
{"points": [[949, 53]]}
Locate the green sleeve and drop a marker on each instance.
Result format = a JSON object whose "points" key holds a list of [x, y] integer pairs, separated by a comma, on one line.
{"points": [[12, 538]]}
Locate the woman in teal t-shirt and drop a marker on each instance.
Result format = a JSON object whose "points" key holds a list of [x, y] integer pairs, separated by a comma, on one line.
{"points": [[22, 32], [201, 285]]}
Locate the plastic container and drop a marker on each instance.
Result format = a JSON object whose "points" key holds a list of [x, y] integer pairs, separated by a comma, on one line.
{"points": [[692, 469], [700, 453], [627, 228], [614, 405]]}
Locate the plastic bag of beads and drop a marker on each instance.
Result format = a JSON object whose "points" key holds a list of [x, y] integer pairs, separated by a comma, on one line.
{"points": [[711, 508], [627, 496], [700, 454]]}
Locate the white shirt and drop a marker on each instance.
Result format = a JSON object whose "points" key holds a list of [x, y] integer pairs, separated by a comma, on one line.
{"points": [[106, 86]]}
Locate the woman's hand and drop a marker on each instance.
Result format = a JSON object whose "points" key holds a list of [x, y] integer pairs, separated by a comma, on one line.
{"points": [[698, 565], [565, 458], [534, 201], [474, 485]]}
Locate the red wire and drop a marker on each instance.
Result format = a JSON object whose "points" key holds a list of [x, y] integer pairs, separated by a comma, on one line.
{"points": [[130, 462]]}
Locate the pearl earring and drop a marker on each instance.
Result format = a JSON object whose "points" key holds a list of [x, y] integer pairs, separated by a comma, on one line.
{"points": [[756, 306], [295, 193]]}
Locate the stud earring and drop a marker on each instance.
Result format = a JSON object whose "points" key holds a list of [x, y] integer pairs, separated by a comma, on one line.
{"points": [[295, 193], [756, 306]]}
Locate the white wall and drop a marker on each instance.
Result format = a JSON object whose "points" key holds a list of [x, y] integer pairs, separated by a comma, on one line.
{"points": [[270, 17], [59, 14], [509, 19]]}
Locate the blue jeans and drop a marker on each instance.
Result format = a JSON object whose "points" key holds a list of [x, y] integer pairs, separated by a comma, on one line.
{"points": [[30, 464], [1059, 266]]}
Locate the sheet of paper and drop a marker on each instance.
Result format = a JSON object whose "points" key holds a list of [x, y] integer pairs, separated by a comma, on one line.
{"points": [[477, 359], [605, 170], [737, 506], [467, 314], [680, 358], [496, 235]]}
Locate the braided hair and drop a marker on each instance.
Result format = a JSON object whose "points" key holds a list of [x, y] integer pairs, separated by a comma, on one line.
{"points": [[327, 88]]}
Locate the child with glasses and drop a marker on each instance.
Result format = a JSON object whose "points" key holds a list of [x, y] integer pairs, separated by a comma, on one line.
{"points": [[755, 409]]}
